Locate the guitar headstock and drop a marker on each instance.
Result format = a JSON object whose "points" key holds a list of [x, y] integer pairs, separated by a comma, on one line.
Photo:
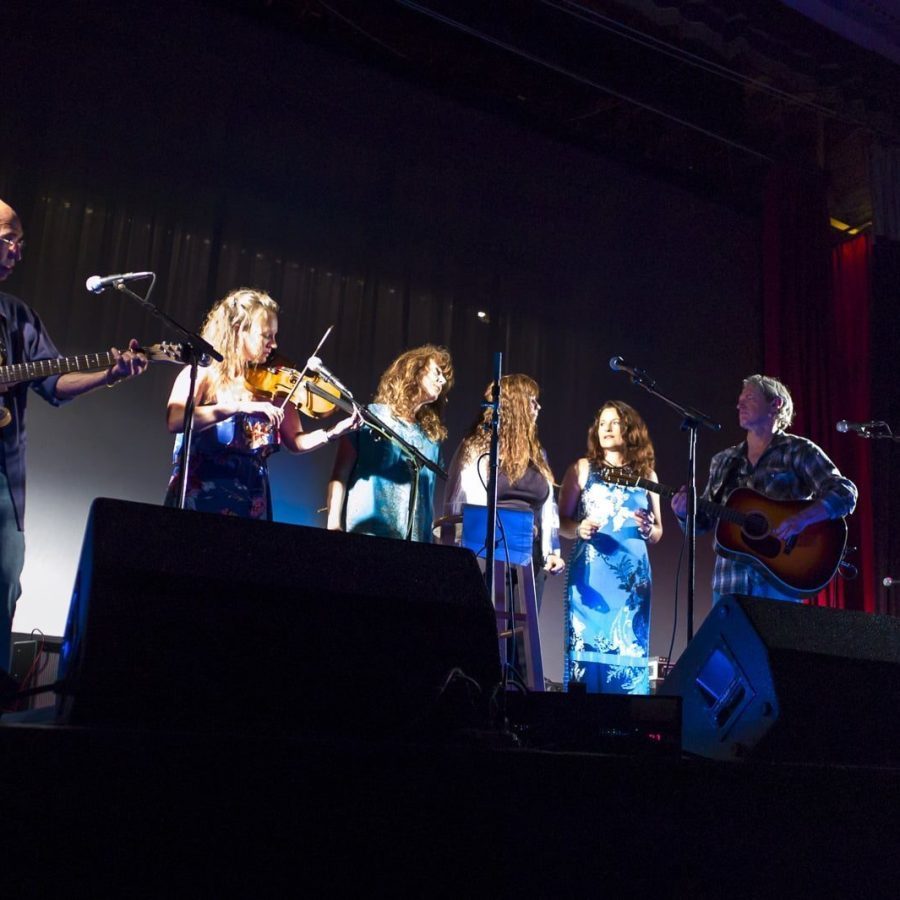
{"points": [[623, 477], [166, 351]]}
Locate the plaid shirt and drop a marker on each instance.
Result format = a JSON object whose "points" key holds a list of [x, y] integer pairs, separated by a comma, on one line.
{"points": [[791, 468]]}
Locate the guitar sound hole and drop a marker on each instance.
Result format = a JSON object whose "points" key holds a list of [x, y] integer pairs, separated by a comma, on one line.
{"points": [[756, 525]]}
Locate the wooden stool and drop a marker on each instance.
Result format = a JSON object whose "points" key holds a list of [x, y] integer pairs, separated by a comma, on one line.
{"points": [[525, 620]]}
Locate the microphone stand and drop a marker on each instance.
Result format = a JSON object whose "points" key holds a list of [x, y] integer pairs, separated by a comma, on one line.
{"points": [[692, 420], [491, 533], [195, 351], [875, 431], [493, 468]]}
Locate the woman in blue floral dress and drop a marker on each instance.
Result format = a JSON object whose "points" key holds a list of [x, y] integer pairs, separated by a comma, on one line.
{"points": [[234, 434], [607, 603]]}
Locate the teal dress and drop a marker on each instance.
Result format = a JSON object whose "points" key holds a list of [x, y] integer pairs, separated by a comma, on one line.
{"points": [[378, 489], [228, 470], [607, 602]]}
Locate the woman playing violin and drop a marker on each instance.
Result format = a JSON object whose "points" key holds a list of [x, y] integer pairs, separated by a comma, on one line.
{"points": [[235, 432]]}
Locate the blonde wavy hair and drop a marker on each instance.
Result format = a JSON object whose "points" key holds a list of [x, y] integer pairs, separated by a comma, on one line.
{"points": [[520, 446], [224, 327], [399, 388], [639, 453]]}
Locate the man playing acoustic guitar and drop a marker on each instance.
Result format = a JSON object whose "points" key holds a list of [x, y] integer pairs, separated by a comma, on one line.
{"points": [[22, 340], [782, 467]]}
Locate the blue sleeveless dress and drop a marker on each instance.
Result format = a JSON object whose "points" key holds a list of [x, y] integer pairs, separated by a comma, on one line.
{"points": [[607, 602], [378, 489], [228, 471]]}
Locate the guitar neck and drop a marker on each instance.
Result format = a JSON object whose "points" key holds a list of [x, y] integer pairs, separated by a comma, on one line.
{"points": [[716, 510], [41, 368]]}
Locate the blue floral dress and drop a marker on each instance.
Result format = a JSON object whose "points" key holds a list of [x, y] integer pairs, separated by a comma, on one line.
{"points": [[228, 471], [607, 603]]}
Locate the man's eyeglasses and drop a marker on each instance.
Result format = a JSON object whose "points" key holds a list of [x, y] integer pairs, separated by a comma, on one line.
{"points": [[13, 244]]}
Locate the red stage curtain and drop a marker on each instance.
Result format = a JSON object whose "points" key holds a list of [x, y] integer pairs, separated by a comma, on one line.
{"points": [[851, 267], [816, 305]]}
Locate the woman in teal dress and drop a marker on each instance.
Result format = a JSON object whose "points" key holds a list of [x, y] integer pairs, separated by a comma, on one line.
{"points": [[607, 602], [370, 487], [234, 434]]}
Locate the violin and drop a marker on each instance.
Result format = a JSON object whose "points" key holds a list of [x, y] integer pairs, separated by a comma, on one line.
{"points": [[278, 381]]}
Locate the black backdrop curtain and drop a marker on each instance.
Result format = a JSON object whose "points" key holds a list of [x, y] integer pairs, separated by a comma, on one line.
{"points": [[219, 153]]}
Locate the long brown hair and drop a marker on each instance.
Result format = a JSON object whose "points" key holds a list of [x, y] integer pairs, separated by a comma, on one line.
{"points": [[224, 327], [519, 442], [399, 388], [639, 453]]}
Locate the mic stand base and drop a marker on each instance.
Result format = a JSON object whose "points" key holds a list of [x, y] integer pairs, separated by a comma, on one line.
{"points": [[414, 470], [690, 525]]}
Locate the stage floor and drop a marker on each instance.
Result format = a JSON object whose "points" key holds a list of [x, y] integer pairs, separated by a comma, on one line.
{"points": [[157, 813]]}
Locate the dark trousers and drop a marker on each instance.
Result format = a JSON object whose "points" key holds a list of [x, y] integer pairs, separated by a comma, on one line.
{"points": [[12, 559]]}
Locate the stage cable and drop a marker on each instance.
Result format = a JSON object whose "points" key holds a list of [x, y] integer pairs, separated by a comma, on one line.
{"points": [[684, 540]]}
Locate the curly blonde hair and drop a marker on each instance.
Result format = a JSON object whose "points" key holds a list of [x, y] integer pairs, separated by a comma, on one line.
{"points": [[225, 324], [639, 453], [399, 388], [520, 446]]}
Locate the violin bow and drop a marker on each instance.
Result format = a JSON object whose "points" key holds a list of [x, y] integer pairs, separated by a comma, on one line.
{"points": [[315, 352]]}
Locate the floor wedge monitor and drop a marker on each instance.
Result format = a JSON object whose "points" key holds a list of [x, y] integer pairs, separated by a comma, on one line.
{"points": [[193, 620], [782, 681]]}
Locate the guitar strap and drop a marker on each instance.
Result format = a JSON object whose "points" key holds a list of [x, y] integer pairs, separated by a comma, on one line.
{"points": [[731, 471]]}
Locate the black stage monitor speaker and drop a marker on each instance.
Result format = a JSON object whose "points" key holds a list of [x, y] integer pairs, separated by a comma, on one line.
{"points": [[185, 619], [781, 681]]}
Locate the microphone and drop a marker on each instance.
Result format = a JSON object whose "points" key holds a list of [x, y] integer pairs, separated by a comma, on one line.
{"points": [[862, 428], [617, 364], [890, 582], [314, 364], [96, 284]]}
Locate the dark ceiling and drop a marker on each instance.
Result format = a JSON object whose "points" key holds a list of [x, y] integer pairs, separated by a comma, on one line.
{"points": [[708, 94]]}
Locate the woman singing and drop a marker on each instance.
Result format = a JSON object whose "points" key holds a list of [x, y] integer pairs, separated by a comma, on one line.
{"points": [[234, 435], [370, 487], [524, 478], [607, 604]]}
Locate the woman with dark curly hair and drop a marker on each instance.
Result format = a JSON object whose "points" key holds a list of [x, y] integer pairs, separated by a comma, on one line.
{"points": [[607, 604], [369, 491]]}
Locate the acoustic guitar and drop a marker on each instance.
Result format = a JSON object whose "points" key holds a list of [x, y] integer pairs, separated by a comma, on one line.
{"points": [[17, 373], [800, 567]]}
